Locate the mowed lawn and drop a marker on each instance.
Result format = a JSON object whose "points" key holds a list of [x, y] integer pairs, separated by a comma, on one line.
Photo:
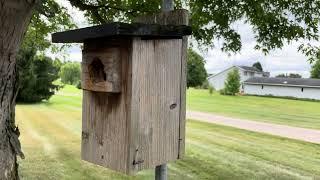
{"points": [[299, 113], [51, 142]]}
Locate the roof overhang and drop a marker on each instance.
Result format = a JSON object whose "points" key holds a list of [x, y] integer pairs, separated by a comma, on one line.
{"points": [[117, 29]]}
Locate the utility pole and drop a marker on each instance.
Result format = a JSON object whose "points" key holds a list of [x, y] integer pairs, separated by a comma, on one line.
{"points": [[161, 171]]}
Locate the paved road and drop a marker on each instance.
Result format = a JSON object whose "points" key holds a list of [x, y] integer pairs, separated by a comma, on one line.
{"points": [[303, 134]]}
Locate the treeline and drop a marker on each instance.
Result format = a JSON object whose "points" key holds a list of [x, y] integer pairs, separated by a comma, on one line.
{"points": [[70, 73], [41, 76], [290, 75]]}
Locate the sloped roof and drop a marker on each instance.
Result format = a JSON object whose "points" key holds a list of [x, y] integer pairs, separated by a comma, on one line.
{"points": [[246, 68], [213, 75], [301, 82], [117, 29], [249, 68]]}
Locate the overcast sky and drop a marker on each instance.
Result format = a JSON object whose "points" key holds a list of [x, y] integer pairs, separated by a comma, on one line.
{"points": [[285, 60]]}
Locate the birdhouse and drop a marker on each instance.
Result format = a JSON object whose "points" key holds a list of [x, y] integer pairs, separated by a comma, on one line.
{"points": [[133, 93]]}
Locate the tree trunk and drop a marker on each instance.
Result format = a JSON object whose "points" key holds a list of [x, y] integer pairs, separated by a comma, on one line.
{"points": [[14, 19]]}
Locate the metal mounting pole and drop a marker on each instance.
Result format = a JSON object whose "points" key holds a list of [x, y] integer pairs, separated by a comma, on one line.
{"points": [[167, 5], [161, 172]]}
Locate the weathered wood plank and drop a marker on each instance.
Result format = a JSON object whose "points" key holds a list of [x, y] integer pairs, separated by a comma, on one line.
{"points": [[155, 102], [176, 17], [183, 89], [121, 29]]}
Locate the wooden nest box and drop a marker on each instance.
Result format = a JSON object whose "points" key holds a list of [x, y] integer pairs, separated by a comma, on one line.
{"points": [[133, 80]]}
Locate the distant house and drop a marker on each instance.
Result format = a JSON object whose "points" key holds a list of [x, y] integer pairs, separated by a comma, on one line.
{"points": [[245, 72], [284, 87]]}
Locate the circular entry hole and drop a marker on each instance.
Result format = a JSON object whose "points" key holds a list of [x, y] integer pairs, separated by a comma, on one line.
{"points": [[96, 71]]}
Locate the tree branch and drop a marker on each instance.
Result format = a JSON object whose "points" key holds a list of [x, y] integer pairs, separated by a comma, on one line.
{"points": [[89, 7], [94, 9]]}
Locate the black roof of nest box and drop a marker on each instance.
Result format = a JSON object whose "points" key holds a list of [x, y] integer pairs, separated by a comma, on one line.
{"points": [[116, 29]]}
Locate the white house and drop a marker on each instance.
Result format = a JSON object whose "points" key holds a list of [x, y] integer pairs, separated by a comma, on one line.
{"points": [[217, 80], [283, 87]]}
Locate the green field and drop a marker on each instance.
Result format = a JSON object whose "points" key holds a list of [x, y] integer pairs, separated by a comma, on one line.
{"points": [[51, 142], [274, 110]]}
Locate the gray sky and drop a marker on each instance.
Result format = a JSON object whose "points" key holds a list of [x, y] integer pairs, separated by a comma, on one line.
{"points": [[285, 60]]}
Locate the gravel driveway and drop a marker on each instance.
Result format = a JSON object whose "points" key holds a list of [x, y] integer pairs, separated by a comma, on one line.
{"points": [[303, 134]]}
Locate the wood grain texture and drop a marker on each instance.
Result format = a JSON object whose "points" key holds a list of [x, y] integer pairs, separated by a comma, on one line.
{"points": [[154, 132], [176, 17], [105, 118], [101, 70], [183, 89]]}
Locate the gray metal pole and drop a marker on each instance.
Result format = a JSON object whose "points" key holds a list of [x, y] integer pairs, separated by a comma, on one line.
{"points": [[167, 5], [161, 172]]}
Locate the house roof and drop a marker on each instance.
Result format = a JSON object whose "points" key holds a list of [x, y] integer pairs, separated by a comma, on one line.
{"points": [[300, 82], [246, 68], [249, 68], [213, 75]]}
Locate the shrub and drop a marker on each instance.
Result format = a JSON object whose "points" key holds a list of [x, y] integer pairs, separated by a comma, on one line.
{"points": [[222, 92], [211, 89], [205, 84], [232, 84], [79, 85]]}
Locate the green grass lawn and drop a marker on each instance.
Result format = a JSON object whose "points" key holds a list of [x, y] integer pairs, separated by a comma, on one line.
{"points": [[51, 142], [274, 110]]}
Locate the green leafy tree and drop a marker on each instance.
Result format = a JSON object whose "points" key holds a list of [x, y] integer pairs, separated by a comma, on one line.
{"points": [[274, 22], [70, 73], [213, 19], [258, 66], [36, 73], [312, 52], [315, 71], [232, 84], [36, 76], [196, 73]]}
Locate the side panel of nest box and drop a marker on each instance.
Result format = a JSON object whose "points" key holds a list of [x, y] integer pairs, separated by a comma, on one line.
{"points": [[155, 121], [101, 70], [105, 115]]}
